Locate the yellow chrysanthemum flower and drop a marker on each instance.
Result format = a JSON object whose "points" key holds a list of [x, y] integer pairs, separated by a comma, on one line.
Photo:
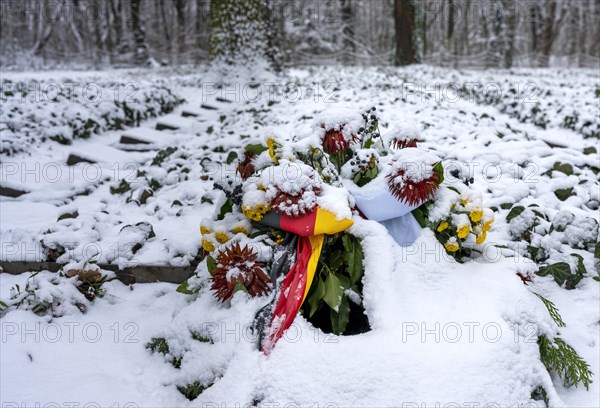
{"points": [[221, 237], [271, 146], [463, 231], [253, 213], [247, 211], [487, 225], [240, 229], [442, 227], [480, 238], [464, 201], [204, 230], [476, 215], [262, 208], [208, 245], [451, 246]]}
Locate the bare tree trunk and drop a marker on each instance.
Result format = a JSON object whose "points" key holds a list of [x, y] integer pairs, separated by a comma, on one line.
{"points": [[509, 32], [140, 54], [165, 25], [75, 29], [583, 34], [404, 17], [535, 28], [201, 29], [110, 23], [44, 32], [547, 37], [348, 31], [572, 32], [450, 48], [423, 27], [97, 22], [466, 24], [550, 31], [487, 61], [121, 42], [180, 12]]}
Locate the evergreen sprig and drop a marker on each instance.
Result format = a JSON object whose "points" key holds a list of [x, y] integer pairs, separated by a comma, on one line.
{"points": [[552, 310], [557, 355]]}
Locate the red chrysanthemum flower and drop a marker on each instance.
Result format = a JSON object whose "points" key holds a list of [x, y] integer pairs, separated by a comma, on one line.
{"points": [[292, 188], [403, 143], [334, 141], [236, 265], [413, 186], [295, 205], [246, 167]]}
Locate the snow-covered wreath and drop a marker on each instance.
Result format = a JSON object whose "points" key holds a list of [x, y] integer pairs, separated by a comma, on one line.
{"points": [[282, 231]]}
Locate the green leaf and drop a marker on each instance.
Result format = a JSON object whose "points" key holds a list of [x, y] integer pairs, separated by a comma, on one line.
{"points": [[227, 207], [597, 251], [183, 288], [565, 168], [336, 260], [162, 155], [533, 251], [589, 150], [353, 256], [560, 271], [514, 212], [3, 306], [439, 169], [158, 345], [418, 214], [340, 319], [231, 157], [539, 214], [123, 187], [144, 195], [211, 264], [596, 278], [239, 286], [573, 280], [333, 291], [316, 296], [193, 390], [563, 193], [256, 148], [580, 266], [206, 199], [506, 206]]}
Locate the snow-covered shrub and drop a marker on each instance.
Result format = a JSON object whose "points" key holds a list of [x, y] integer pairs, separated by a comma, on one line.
{"points": [[69, 291], [542, 103], [31, 117]]}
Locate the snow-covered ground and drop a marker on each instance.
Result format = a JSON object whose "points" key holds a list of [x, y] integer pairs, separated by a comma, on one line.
{"points": [[441, 332]]}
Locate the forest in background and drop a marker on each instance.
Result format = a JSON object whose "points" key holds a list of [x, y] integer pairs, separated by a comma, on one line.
{"points": [[452, 33]]}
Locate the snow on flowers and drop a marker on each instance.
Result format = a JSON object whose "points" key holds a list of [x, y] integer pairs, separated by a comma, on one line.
{"points": [[285, 191]]}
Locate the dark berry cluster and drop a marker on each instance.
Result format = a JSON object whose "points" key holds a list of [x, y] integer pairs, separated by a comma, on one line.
{"points": [[232, 187], [457, 174], [371, 128]]}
